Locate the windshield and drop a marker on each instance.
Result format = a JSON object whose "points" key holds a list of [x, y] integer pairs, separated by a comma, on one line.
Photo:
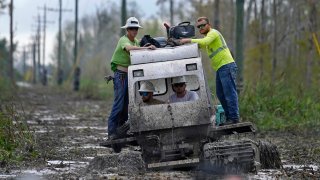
{"points": [[167, 90]]}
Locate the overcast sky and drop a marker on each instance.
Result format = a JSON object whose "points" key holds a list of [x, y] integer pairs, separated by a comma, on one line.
{"points": [[26, 11]]}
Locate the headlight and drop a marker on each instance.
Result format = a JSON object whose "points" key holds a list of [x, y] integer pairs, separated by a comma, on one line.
{"points": [[138, 73], [191, 67]]}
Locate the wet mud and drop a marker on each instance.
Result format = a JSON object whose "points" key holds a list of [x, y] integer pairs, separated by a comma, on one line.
{"points": [[68, 130]]}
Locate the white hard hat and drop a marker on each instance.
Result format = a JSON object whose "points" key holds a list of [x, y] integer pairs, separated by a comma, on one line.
{"points": [[179, 79], [131, 22], [146, 86]]}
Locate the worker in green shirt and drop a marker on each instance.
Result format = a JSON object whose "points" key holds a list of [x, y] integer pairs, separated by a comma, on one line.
{"points": [[119, 65], [222, 62]]}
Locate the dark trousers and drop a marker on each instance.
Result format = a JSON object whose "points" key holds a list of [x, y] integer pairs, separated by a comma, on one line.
{"points": [[119, 112], [227, 91]]}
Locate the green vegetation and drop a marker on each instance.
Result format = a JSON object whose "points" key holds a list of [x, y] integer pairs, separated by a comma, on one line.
{"points": [[280, 107], [5, 88], [16, 141], [96, 89]]}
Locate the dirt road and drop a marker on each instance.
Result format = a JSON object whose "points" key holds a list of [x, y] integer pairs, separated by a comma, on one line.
{"points": [[68, 130]]}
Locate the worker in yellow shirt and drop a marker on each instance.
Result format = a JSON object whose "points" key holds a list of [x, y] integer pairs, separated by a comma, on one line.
{"points": [[222, 62]]}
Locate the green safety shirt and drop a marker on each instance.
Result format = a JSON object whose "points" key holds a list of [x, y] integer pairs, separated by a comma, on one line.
{"points": [[121, 56], [216, 47]]}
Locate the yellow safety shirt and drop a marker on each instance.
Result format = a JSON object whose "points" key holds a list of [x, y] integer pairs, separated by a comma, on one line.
{"points": [[216, 47]]}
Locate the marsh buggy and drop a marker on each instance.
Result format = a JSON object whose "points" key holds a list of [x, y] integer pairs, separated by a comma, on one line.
{"points": [[186, 134]]}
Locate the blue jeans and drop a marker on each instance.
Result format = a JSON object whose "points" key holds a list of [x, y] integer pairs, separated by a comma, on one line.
{"points": [[119, 112], [227, 91]]}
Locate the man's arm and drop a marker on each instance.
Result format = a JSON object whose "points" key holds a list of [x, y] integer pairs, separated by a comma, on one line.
{"points": [[202, 42], [185, 40], [129, 47]]}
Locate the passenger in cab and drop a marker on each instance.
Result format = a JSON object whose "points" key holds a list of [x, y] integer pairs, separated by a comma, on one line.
{"points": [[146, 92], [181, 94]]}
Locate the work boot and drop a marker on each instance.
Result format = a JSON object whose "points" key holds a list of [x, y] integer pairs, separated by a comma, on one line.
{"points": [[230, 121], [122, 131], [112, 137]]}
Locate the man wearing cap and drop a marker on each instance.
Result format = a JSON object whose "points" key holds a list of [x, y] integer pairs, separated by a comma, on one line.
{"points": [[181, 94], [146, 92], [223, 62], [119, 65]]}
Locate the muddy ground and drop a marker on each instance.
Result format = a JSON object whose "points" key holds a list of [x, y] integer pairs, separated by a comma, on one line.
{"points": [[68, 129]]}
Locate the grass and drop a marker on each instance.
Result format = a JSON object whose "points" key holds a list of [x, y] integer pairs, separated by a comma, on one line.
{"points": [[16, 140], [96, 89], [5, 89], [280, 107]]}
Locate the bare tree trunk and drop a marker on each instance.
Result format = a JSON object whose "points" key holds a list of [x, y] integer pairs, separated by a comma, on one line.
{"points": [[232, 29], [171, 13], [297, 36], [11, 71], [261, 37], [123, 16], [246, 22], [255, 10], [275, 37], [312, 27], [248, 15], [239, 39], [216, 23]]}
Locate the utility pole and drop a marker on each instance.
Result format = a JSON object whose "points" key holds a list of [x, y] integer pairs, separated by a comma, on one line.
{"points": [[44, 70], [24, 57], [11, 71], [44, 35], [45, 22], [59, 70], [76, 33], [34, 81], [76, 82], [39, 47]]}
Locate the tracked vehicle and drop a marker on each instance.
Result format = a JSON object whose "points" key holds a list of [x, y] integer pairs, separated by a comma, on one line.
{"points": [[186, 134]]}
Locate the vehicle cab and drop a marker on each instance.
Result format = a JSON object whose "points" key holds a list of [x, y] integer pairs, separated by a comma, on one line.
{"points": [[160, 66]]}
